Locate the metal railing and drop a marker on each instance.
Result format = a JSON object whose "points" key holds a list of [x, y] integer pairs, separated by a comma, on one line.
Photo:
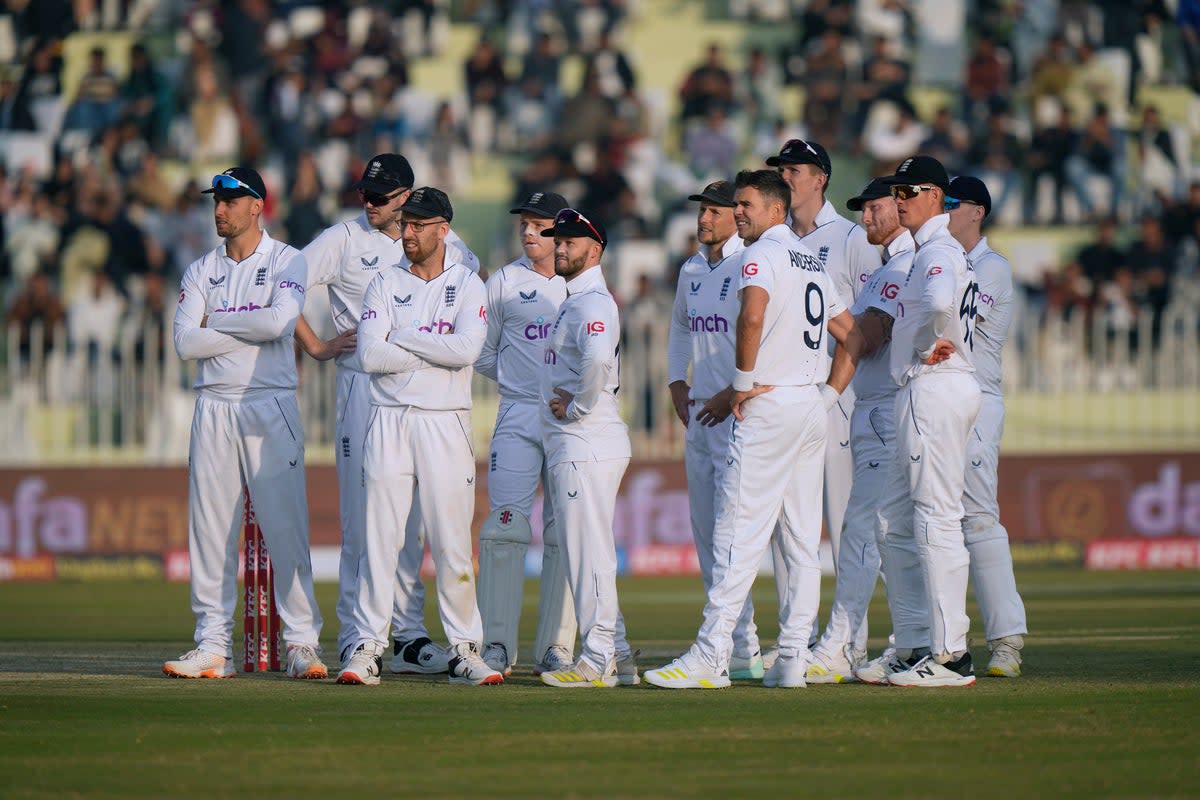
{"points": [[1070, 384]]}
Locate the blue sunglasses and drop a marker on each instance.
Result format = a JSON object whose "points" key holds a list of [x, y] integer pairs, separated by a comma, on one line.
{"points": [[228, 183]]}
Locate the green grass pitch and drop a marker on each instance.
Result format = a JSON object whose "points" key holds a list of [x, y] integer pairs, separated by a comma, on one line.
{"points": [[1108, 707]]}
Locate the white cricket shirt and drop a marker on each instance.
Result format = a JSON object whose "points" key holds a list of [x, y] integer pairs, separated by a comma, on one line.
{"points": [[347, 256], [521, 307], [794, 347], [583, 357], [419, 338], [842, 248], [252, 308], [704, 321], [994, 274], [873, 377], [937, 301]]}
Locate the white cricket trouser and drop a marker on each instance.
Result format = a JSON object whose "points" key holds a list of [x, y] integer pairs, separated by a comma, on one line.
{"points": [[584, 495], [872, 440], [256, 443], [987, 540], [517, 462], [705, 451], [773, 474], [921, 513], [350, 430], [428, 454]]}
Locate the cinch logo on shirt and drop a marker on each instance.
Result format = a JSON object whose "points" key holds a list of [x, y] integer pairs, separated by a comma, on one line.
{"points": [[291, 285], [713, 323], [889, 290], [595, 328], [437, 326], [236, 309], [750, 269], [987, 299], [538, 329], [368, 314]]}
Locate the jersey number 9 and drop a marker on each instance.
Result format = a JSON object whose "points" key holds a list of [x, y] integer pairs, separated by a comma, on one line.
{"points": [[814, 309]]}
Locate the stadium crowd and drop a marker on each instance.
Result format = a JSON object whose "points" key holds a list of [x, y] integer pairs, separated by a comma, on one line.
{"points": [[107, 143]]}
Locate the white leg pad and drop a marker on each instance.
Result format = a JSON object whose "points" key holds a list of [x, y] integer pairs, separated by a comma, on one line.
{"points": [[503, 540]]}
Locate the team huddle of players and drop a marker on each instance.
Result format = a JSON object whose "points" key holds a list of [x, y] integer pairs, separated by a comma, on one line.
{"points": [[810, 374]]}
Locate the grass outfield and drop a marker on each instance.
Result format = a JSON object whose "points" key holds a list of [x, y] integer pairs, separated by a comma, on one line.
{"points": [[1108, 708]]}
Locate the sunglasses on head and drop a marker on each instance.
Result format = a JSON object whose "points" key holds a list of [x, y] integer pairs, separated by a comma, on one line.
{"points": [[801, 143], [951, 203], [228, 183], [904, 191], [376, 199], [569, 215]]}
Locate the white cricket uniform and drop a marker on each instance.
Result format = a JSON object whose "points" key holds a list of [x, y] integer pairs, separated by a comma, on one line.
{"points": [[419, 339], [345, 257], [774, 467], [921, 510], [586, 455], [848, 258], [987, 540], [521, 307], [702, 335], [246, 433], [872, 441]]}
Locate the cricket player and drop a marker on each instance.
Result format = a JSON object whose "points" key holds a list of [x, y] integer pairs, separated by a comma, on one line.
{"points": [[702, 337], [420, 332], [523, 298], [587, 450], [872, 438], [848, 258], [237, 308], [345, 257], [783, 389], [936, 404], [1000, 603]]}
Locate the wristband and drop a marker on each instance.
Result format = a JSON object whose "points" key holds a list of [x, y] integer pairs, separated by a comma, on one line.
{"points": [[742, 381]]}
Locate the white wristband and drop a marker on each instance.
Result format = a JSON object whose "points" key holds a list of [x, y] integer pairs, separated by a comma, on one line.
{"points": [[742, 381]]}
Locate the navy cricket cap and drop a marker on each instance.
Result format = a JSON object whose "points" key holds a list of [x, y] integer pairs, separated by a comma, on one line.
{"points": [[542, 204], [385, 173], [875, 189], [238, 182], [428, 202], [798, 151], [719, 193], [918, 170], [570, 223], [971, 190]]}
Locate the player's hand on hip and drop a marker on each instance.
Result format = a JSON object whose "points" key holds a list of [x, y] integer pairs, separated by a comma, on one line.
{"points": [[558, 405], [739, 399], [942, 350], [681, 401], [344, 342], [716, 409]]}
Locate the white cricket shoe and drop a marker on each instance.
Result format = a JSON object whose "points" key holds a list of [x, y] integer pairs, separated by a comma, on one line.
{"points": [[419, 657], [929, 673], [363, 668], [1006, 657], [554, 659], [468, 669], [877, 671], [748, 668], [787, 672], [627, 669], [581, 675], [304, 663], [199, 664], [688, 672], [495, 655], [833, 667]]}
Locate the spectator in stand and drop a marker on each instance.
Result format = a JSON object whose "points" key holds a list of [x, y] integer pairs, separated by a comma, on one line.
{"points": [[1100, 260], [1187, 15], [826, 77], [1096, 154], [710, 81], [243, 34], [215, 134], [484, 76], [149, 186], [1159, 181], [1179, 219], [544, 62], [1069, 295], [711, 147], [1053, 74], [946, 141], [1048, 155], [606, 192], [447, 149], [889, 144], [996, 156], [613, 68], [146, 96], [757, 91], [987, 83], [36, 307], [40, 80], [146, 323], [884, 78], [97, 100], [587, 115], [1152, 262], [1117, 300], [304, 217], [188, 232], [93, 322]]}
